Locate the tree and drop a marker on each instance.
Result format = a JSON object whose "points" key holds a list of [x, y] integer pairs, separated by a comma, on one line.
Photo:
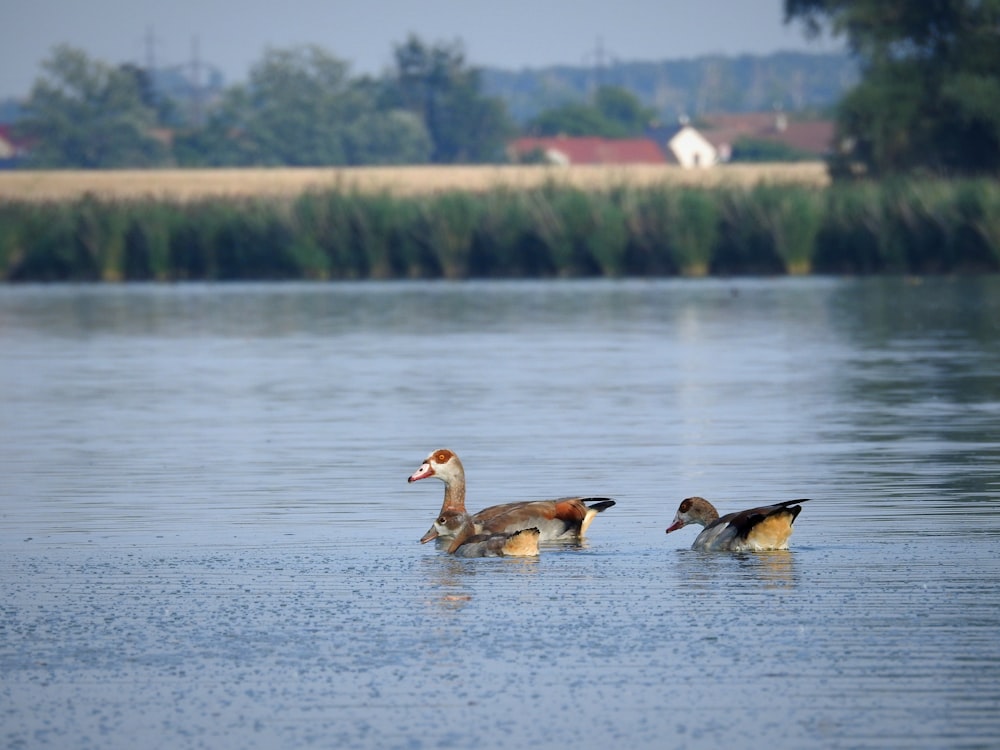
{"points": [[300, 108], [614, 112], [573, 119], [87, 114], [436, 85], [929, 97], [622, 107]]}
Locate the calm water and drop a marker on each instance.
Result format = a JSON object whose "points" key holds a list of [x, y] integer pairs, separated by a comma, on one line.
{"points": [[207, 538]]}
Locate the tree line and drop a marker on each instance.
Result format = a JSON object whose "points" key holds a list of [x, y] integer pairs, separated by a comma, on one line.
{"points": [[299, 107], [927, 101]]}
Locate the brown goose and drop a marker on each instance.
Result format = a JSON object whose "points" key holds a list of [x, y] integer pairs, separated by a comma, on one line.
{"points": [[567, 518], [753, 530]]}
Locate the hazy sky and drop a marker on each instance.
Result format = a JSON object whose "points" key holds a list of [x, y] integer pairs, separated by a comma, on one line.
{"points": [[509, 34]]}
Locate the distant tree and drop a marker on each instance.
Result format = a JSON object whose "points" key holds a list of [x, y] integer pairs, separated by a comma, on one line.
{"points": [[794, 81], [614, 112], [622, 107], [10, 110], [87, 114], [164, 108], [929, 96], [746, 149], [573, 119], [436, 84], [300, 108], [392, 136]]}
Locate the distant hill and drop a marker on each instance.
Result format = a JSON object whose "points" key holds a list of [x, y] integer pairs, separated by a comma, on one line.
{"points": [[791, 81]]}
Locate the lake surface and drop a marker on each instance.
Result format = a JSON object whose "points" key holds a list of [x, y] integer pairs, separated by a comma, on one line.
{"points": [[207, 538]]}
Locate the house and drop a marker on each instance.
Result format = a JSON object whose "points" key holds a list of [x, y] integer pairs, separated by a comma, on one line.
{"points": [[7, 149], [811, 137], [567, 150], [12, 149], [685, 146]]}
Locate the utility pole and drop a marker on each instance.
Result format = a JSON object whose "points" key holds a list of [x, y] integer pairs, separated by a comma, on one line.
{"points": [[152, 80], [150, 40], [196, 82], [600, 57]]}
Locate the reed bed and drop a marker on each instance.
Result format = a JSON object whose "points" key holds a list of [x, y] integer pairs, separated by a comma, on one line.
{"points": [[505, 231]]}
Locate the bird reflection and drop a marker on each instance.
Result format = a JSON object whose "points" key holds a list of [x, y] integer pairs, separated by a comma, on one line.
{"points": [[712, 570], [449, 579], [773, 568]]}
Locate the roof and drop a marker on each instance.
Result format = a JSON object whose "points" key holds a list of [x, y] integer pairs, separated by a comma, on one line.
{"points": [[814, 137], [810, 136], [6, 143], [591, 150], [11, 147]]}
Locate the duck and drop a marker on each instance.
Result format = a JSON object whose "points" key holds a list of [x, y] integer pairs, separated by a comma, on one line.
{"points": [[563, 519], [753, 530], [465, 542]]}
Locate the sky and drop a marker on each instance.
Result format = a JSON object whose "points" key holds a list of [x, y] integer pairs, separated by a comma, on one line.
{"points": [[508, 34]]}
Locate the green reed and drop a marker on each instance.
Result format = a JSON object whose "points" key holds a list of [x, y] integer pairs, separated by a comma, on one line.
{"points": [[919, 226], [447, 226], [671, 230]]}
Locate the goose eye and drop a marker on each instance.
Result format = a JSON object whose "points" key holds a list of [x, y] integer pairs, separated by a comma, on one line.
{"points": [[441, 520], [441, 457], [685, 506]]}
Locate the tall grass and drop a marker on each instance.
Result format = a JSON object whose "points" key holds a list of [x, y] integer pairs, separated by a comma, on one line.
{"points": [[446, 228], [672, 230], [849, 238], [547, 230], [976, 233], [507, 244]]}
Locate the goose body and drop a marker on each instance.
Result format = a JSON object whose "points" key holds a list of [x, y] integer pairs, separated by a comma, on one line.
{"points": [[755, 530], [465, 542], [566, 518]]}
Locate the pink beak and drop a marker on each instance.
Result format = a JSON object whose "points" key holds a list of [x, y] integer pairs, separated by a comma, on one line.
{"points": [[426, 470], [674, 526]]}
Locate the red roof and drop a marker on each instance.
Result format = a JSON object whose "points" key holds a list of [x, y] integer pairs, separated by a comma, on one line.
{"points": [[9, 145], [591, 150], [811, 136]]}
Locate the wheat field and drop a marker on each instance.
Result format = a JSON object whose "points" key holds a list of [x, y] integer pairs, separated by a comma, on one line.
{"points": [[194, 184]]}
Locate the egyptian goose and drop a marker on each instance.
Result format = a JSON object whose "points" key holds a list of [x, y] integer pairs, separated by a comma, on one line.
{"points": [[465, 542], [563, 519], [753, 530]]}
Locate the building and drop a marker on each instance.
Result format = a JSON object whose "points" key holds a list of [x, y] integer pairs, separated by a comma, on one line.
{"points": [[685, 146], [567, 150], [13, 149], [813, 138], [8, 151]]}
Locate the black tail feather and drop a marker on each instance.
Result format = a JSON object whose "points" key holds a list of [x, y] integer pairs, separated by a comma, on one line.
{"points": [[598, 503]]}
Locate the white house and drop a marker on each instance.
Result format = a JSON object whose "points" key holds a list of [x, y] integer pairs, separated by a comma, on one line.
{"points": [[685, 146], [7, 148]]}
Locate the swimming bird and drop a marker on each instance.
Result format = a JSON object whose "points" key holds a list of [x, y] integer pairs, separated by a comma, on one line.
{"points": [[753, 530], [465, 542], [566, 518]]}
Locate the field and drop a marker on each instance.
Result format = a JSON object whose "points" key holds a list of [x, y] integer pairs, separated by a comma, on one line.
{"points": [[195, 184]]}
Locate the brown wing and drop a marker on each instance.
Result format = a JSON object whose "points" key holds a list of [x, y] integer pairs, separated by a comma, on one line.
{"points": [[486, 515], [555, 519], [512, 517], [569, 508]]}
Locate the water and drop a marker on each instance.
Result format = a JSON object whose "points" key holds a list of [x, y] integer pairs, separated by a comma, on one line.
{"points": [[207, 538]]}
